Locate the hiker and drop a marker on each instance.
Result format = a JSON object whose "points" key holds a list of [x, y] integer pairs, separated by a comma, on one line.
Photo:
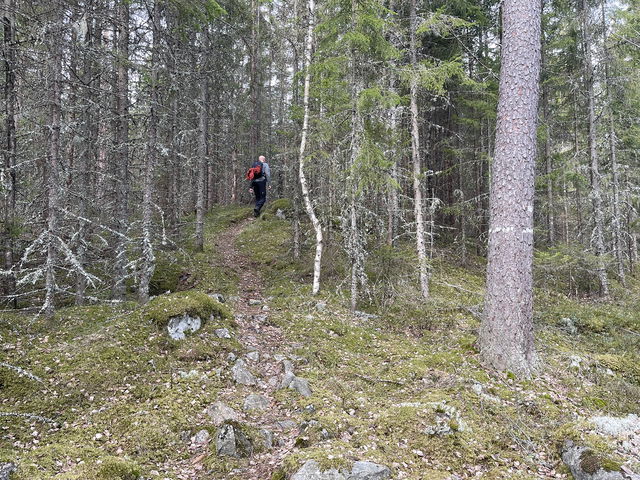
{"points": [[259, 175]]}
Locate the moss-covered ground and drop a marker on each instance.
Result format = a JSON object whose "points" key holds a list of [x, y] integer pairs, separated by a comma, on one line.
{"points": [[121, 401]]}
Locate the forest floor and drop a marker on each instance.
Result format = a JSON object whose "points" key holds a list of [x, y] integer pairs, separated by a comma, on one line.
{"points": [[399, 384]]}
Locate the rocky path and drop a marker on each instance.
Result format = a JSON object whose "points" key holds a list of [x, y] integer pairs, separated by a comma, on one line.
{"points": [[256, 375]]}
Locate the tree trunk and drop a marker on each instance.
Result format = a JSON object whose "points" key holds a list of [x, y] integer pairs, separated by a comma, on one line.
{"points": [[148, 257], [8, 174], [506, 333], [423, 267], [303, 141], [53, 156], [121, 149], [596, 190], [202, 155]]}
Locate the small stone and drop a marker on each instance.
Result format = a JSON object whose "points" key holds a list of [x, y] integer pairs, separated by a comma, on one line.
{"points": [[177, 326], [288, 366], [267, 438], [309, 409], [255, 301], [220, 413], [321, 306], [6, 469], [279, 357], [256, 402], [369, 471], [311, 471], [222, 333], [232, 442], [300, 385], [286, 425], [253, 356], [217, 296], [365, 315], [231, 357], [265, 308], [242, 375], [234, 299], [280, 214], [576, 362], [287, 379], [259, 318], [201, 437], [568, 325]]}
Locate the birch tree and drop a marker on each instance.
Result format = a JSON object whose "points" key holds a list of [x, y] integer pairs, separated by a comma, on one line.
{"points": [[303, 142]]}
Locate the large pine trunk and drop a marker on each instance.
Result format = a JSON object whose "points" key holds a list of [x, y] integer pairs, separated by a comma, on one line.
{"points": [[506, 334]]}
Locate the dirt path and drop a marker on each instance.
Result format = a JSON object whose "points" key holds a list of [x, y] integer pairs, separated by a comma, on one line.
{"points": [[257, 334]]}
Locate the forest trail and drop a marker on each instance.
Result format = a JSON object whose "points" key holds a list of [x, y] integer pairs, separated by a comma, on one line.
{"points": [[257, 334]]}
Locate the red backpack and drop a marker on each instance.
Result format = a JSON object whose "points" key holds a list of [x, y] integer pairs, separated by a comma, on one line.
{"points": [[254, 172]]}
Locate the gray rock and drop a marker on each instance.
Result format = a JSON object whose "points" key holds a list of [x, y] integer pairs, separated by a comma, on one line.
{"points": [[321, 306], [262, 318], [576, 458], [278, 357], [448, 420], [201, 437], [267, 438], [311, 471], [369, 471], [287, 379], [300, 385], [280, 214], [288, 366], [231, 357], [234, 298], [616, 426], [255, 301], [265, 308], [217, 296], [253, 356], [241, 374], [220, 413], [256, 402], [6, 469], [568, 325], [286, 425], [232, 442], [192, 375], [222, 333], [177, 326], [309, 409]]}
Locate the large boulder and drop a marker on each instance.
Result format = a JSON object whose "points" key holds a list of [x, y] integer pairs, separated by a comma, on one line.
{"points": [[585, 464], [361, 470]]}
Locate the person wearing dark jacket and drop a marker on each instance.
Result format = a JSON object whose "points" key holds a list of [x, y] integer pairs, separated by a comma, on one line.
{"points": [[259, 184]]}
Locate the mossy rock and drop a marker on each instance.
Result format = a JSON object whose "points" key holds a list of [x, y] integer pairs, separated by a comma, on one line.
{"points": [[624, 365], [591, 462], [193, 303], [118, 469], [284, 204]]}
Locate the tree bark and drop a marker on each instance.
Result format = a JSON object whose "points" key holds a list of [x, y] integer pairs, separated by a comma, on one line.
{"points": [[11, 147], [148, 257], [423, 266], [203, 128], [596, 190], [121, 149], [53, 155], [506, 333], [303, 141]]}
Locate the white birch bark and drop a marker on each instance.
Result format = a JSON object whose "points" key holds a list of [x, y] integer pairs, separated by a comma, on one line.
{"points": [[317, 227]]}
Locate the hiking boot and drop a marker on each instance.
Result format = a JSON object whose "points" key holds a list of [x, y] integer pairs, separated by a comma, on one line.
{"points": [[256, 212]]}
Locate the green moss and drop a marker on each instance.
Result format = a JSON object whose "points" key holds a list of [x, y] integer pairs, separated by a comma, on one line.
{"points": [[166, 275], [118, 469], [284, 204], [193, 303]]}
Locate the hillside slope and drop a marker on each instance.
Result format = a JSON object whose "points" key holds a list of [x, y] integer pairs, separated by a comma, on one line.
{"points": [[400, 385]]}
